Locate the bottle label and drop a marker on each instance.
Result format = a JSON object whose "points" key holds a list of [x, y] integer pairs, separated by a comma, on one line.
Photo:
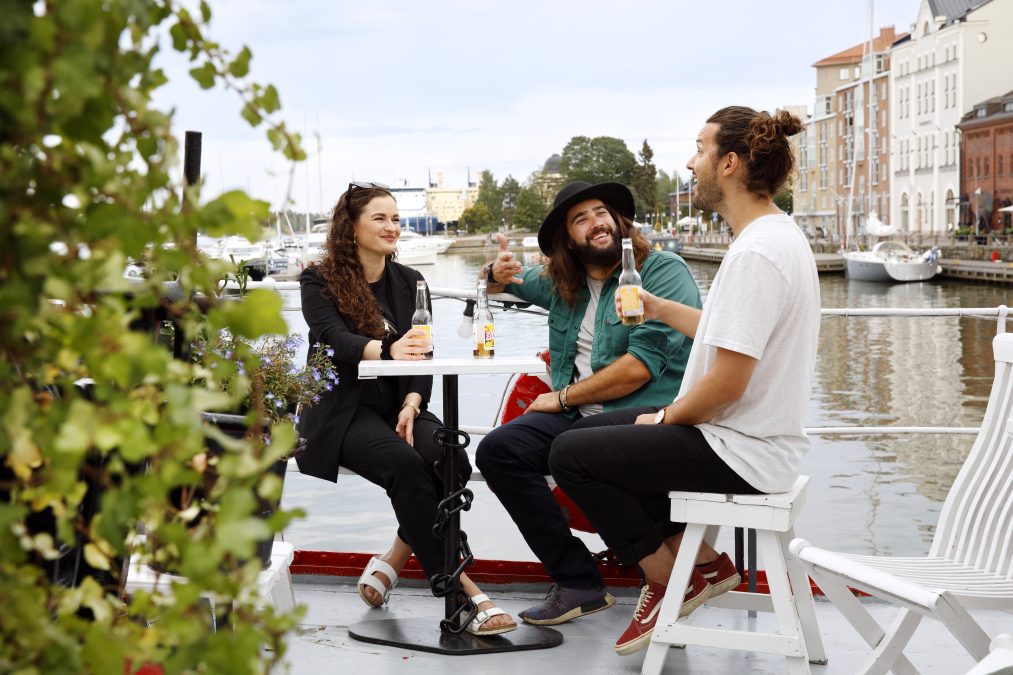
{"points": [[629, 298], [489, 336], [429, 338]]}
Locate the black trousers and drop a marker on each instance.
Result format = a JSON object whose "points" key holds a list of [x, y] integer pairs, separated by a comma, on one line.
{"points": [[373, 450], [620, 475], [514, 459]]}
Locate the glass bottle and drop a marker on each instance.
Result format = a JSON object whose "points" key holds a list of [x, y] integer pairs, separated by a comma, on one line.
{"points": [[422, 318], [483, 335], [629, 288]]}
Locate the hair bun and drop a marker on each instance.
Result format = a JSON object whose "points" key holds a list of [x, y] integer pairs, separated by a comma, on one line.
{"points": [[786, 123]]}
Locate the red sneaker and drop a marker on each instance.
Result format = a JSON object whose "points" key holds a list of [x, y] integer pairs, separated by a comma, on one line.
{"points": [[696, 593], [638, 634], [720, 574]]}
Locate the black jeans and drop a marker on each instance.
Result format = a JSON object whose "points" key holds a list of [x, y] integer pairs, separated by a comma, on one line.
{"points": [[514, 459], [620, 475], [373, 450]]}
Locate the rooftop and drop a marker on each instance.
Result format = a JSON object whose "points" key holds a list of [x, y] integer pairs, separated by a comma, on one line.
{"points": [[887, 36]]}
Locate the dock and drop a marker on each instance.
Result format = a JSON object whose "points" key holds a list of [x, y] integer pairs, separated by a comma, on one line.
{"points": [[826, 263], [965, 269]]}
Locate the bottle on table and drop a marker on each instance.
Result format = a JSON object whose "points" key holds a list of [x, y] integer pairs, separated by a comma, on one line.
{"points": [[422, 318], [629, 288], [483, 335]]}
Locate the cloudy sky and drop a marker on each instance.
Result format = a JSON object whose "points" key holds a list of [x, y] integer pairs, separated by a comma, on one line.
{"points": [[401, 88]]}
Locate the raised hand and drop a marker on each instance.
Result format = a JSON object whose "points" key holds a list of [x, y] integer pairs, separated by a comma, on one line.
{"points": [[505, 269], [651, 303]]}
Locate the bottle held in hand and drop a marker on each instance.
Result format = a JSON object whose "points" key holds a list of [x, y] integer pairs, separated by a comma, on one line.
{"points": [[483, 334], [422, 318], [629, 288]]}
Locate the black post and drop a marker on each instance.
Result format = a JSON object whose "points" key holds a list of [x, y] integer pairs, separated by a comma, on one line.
{"points": [[452, 535], [191, 157]]}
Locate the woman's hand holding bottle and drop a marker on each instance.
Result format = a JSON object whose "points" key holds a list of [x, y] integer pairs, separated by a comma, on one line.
{"points": [[412, 346]]}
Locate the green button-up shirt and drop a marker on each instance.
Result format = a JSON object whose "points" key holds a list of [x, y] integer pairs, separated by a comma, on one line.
{"points": [[661, 349]]}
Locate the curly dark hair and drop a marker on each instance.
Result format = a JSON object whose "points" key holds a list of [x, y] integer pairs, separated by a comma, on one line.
{"points": [[761, 142], [344, 279], [567, 271]]}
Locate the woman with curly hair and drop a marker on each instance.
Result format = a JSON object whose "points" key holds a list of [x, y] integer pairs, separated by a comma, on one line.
{"points": [[358, 303]]}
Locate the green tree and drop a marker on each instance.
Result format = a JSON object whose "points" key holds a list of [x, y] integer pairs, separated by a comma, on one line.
{"points": [[490, 196], [644, 183], [598, 159], [784, 201], [477, 218], [86, 185], [530, 210]]}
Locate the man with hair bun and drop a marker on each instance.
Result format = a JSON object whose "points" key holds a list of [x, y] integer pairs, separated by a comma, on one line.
{"points": [[736, 425]]}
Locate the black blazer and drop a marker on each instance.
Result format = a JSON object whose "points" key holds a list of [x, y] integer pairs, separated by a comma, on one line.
{"points": [[324, 425]]}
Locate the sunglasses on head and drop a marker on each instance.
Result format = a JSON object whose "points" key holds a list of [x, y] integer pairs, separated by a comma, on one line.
{"points": [[362, 185]]}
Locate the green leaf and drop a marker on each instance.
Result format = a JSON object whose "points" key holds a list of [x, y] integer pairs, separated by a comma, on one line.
{"points": [[240, 65], [269, 99], [251, 115], [205, 75], [205, 11], [259, 314]]}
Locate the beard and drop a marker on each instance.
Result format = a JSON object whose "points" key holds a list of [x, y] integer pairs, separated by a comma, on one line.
{"points": [[592, 256], [708, 194]]}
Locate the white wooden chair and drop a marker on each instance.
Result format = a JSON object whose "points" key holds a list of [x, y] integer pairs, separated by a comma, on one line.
{"points": [[970, 561], [772, 516]]}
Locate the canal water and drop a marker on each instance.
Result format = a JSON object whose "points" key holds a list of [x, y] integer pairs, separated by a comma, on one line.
{"points": [[867, 494]]}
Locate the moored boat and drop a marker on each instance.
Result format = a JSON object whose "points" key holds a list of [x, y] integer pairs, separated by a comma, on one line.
{"points": [[892, 261]]}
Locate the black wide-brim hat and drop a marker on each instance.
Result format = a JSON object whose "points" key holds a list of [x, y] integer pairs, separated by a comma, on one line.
{"points": [[616, 195]]}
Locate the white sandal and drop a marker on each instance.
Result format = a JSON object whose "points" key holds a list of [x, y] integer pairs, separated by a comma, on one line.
{"points": [[367, 579], [475, 627]]}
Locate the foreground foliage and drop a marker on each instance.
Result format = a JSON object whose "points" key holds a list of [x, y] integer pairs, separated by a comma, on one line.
{"points": [[85, 185]]}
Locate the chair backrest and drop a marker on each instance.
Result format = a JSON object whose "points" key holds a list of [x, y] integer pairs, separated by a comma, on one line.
{"points": [[976, 523]]}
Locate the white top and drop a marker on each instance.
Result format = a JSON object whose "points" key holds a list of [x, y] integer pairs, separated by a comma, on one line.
{"points": [[585, 342], [453, 366], [764, 302]]}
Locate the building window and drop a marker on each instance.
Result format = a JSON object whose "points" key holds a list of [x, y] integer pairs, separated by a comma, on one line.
{"points": [[844, 73], [986, 167], [977, 167], [951, 218], [904, 222], [999, 166], [1008, 106]]}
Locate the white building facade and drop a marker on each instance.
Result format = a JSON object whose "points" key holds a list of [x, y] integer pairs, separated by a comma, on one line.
{"points": [[958, 53]]}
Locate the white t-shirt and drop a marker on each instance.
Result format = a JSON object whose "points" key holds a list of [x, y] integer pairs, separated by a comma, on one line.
{"points": [[585, 341], [764, 302]]}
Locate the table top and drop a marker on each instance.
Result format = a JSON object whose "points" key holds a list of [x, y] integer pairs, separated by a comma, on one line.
{"points": [[453, 366]]}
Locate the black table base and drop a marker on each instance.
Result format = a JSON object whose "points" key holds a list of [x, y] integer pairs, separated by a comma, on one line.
{"points": [[424, 634], [428, 635]]}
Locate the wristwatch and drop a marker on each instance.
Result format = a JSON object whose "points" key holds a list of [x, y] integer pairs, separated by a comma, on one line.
{"points": [[660, 417]]}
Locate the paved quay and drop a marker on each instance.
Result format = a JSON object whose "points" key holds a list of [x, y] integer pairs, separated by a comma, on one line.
{"points": [[998, 272]]}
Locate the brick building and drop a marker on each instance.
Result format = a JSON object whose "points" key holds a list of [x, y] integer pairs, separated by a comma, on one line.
{"points": [[986, 158]]}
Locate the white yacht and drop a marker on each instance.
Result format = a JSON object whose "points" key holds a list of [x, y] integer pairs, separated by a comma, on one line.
{"points": [[892, 261]]}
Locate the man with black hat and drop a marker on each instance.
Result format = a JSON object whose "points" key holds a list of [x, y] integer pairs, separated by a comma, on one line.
{"points": [[596, 364]]}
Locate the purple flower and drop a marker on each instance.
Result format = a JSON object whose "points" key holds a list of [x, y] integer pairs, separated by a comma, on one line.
{"points": [[329, 352], [316, 374], [315, 399], [279, 404], [328, 386], [266, 360], [294, 418]]}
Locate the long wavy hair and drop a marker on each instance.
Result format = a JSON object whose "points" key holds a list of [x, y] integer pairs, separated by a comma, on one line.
{"points": [[761, 142], [567, 271], [344, 279]]}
